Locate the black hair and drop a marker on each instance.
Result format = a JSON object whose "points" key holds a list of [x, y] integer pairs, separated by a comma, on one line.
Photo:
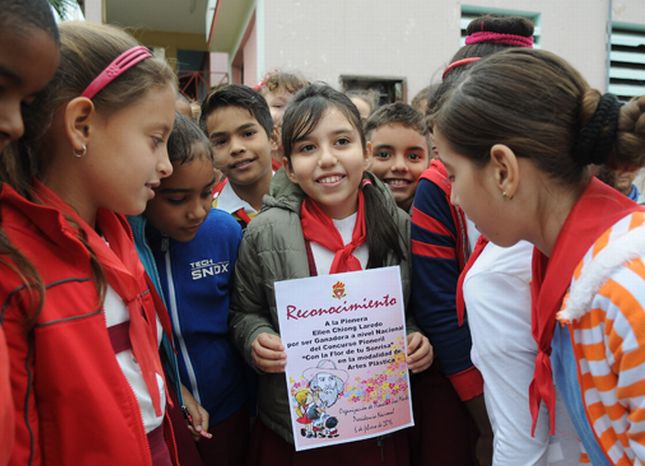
{"points": [[397, 112], [235, 95], [185, 134], [301, 117], [517, 25], [22, 15]]}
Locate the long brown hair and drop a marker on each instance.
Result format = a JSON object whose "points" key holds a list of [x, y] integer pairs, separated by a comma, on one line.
{"points": [[86, 50], [542, 108]]}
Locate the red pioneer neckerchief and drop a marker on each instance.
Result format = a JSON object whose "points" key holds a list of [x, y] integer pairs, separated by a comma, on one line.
{"points": [[125, 273], [318, 227], [597, 210]]}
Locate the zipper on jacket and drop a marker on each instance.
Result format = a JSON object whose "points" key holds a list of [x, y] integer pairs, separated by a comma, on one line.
{"points": [[174, 311]]}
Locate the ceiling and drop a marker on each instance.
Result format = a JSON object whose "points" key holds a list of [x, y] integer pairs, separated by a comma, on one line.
{"points": [[230, 19], [183, 16]]}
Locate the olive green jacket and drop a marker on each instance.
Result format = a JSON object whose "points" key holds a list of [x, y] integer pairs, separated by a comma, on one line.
{"points": [[273, 249]]}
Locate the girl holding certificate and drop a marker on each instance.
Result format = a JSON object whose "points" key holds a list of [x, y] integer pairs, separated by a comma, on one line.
{"points": [[325, 214]]}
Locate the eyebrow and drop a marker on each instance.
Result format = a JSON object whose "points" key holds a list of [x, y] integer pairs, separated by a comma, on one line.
{"points": [[236, 130], [7, 73], [159, 125], [389, 146], [334, 133], [185, 190]]}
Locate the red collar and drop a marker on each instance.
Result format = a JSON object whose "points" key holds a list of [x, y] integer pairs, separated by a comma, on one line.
{"points": [[597, 210]]}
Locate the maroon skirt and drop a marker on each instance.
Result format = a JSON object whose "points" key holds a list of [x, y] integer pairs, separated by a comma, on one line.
{"points": [[444, 432], [269, 449], [159, 448], [229, 443]]}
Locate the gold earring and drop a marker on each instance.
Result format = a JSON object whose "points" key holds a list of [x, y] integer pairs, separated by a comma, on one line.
{"points": [[80, 153], [506, 196]]}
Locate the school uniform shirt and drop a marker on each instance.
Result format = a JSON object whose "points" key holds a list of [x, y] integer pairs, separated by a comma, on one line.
{"points": [[498, 299], [599, 346], [195, 278], [224, 198], [323, 257], [440, 246]]}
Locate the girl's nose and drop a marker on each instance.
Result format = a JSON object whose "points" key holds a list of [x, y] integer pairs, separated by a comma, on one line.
{"points": [[327, 157], [11, 125], [164, 167]]}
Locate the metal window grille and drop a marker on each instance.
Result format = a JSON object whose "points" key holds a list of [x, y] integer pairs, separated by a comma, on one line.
{"points": [[626, 62]]}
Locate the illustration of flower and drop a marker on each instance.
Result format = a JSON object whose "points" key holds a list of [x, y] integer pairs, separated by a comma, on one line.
{"points": [[383, 388]]}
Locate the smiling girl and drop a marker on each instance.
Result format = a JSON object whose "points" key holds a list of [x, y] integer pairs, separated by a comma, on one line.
{"points": [[325, 215]]}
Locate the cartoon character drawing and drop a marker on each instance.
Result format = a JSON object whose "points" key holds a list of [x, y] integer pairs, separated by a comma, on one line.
{"points": [[304, 400], [326, 384]]}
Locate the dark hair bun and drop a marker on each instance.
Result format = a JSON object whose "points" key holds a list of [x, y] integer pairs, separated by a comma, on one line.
{"points": [[518, 25]]}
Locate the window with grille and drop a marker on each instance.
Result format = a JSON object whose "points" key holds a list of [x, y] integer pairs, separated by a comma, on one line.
{"points": [[468, 13], [627, 61], [388, 89]]}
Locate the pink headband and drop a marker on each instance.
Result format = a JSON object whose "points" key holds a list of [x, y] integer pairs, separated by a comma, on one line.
{"points": [[262, 83], [119, 65], [458, 63], [499, 38]]}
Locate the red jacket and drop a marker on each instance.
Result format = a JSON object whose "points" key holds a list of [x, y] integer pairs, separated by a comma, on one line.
{"points": [[6, 404], [73, 404]]}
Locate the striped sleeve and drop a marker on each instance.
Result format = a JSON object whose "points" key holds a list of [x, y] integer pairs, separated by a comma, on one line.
{"points": [[609, 339], [623, 300], [435, 271]]}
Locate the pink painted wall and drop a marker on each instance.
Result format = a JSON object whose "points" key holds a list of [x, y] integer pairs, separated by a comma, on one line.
{"points": [[250, 55], [218, 68]]}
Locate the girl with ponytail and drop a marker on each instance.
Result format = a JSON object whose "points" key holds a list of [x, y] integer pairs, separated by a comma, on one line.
{"points": [[517, 135]]}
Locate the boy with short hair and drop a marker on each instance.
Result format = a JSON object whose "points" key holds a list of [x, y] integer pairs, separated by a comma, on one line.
{"points": [[238, 124], [398, 148]]}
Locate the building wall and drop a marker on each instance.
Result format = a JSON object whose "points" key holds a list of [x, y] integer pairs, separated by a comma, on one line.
{"points": [[250, 57], [629, 11], [416, 38]]}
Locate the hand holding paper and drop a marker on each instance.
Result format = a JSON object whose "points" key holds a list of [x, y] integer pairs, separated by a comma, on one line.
{"points": [[420, 354], [268, 353]]}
